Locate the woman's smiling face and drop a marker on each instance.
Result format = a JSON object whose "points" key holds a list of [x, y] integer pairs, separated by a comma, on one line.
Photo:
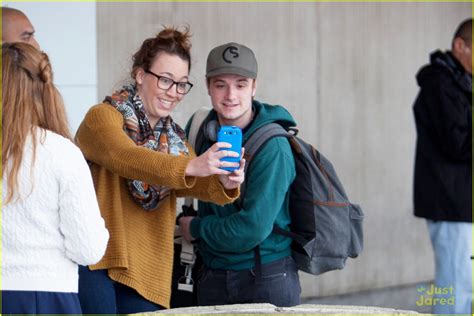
{"points": [[158, 102]]}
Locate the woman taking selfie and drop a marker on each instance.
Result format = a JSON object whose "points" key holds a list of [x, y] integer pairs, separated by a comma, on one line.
{"points": [[141, 163]]}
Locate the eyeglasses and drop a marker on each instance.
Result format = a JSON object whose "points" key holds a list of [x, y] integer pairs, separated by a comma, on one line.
{"points": [[166, 83]]}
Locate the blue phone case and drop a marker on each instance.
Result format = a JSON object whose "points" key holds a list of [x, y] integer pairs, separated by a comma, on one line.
{"points": [[233, 136]]}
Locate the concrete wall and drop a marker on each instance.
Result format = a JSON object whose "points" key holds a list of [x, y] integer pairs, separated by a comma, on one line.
{"points": [[67, 33], [346, 72]]}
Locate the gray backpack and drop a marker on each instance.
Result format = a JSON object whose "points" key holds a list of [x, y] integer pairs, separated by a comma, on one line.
{"points": [[325, 227]]}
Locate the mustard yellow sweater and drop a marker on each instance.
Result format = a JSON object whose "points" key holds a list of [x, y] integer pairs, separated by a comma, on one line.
{"points": [[140, 249]]}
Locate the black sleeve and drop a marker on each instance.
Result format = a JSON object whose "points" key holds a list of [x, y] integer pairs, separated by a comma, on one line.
{"points": [[449, 115]]}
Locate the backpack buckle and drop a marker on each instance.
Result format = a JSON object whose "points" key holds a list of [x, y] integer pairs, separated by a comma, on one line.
{"points": [[294, 130]]}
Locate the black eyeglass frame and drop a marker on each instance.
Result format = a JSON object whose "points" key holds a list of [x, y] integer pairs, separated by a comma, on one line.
{"points": [[188, 84]]}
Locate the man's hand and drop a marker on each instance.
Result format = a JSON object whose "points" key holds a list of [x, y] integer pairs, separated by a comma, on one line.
{"points": [[184, 224], [236, 178]]}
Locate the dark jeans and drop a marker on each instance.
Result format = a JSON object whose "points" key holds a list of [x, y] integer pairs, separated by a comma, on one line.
{"points": [[99, 294], [33, 302], [279, 285]]}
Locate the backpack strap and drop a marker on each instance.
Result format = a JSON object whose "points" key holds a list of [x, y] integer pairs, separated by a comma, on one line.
{"points": [[198, 118], [195, 137], [188, 256], [260, 137], [253, 145], [306, 245]]}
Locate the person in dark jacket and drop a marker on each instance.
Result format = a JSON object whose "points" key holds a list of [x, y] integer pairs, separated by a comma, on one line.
{"points": [[443, 169]]}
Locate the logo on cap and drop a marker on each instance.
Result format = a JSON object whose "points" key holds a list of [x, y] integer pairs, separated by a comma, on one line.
{"points": [[234, 51]]}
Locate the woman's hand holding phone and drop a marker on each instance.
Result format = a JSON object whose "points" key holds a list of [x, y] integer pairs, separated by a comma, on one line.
{"points": [[210, 162], [236, 178]]}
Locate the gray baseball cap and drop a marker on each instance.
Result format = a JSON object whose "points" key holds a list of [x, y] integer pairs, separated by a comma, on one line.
{"points": [[231, 58]]}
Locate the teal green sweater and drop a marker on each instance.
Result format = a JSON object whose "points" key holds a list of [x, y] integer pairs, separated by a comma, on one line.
{"points": [[227, 235]]}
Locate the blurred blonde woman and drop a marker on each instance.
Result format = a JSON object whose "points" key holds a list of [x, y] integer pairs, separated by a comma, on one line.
{"points": [[50, 218]]}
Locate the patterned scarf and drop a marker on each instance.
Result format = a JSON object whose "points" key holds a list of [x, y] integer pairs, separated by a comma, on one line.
{"points": [[167, 137]]}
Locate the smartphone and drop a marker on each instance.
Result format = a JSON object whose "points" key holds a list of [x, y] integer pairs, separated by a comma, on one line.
{"points": [[233, 136]]}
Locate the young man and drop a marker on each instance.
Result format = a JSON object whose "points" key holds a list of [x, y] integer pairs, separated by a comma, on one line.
{"points": [[17, 28], [229, 235], [443, 168]]}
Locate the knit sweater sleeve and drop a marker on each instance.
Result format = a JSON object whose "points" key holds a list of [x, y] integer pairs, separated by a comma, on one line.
{"points": [[80, 222], [103, 141], [210, 189]]}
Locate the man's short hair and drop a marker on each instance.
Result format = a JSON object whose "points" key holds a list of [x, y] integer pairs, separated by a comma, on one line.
{"points": [[464, 31]]}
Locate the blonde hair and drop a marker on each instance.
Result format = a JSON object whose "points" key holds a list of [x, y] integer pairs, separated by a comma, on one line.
{"points": [[30, 100]]}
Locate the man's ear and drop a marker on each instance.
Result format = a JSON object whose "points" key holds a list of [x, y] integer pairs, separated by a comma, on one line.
{"points": [[459, 45], [254, 87]]}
